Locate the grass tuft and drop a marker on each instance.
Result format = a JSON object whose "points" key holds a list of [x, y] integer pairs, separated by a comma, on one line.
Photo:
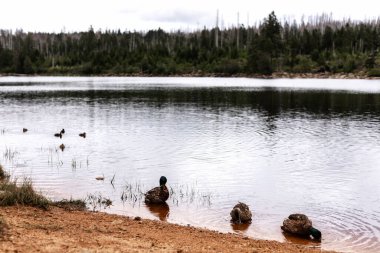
{"points": [[71, 205], [13, 194]]}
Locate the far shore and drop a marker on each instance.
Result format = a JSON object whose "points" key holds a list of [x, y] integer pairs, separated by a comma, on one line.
{"points": [[58, 230], [276, 75]]}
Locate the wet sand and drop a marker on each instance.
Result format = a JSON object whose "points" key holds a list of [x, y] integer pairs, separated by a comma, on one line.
{"points": [[58, 230]]}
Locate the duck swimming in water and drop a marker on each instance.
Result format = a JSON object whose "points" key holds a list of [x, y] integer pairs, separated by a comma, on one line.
{"points": [[58, 135], [158, 195], [299, 224], [241, 213], [83, 134]]}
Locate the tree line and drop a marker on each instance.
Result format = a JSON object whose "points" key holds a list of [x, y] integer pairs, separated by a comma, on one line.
{"points": [[319, 45]]}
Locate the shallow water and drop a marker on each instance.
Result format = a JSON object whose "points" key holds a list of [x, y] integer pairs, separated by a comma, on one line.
{"points": [[281, 146]]}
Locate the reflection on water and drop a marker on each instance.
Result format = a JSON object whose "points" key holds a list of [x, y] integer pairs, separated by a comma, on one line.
{"points": [[240, 227], [160, 211], [299, 240], [281, 146]]}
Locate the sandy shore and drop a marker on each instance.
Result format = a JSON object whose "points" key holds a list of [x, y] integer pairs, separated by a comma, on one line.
{"points": [[57, 230]]}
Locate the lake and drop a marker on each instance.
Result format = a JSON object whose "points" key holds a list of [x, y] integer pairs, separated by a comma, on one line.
{"points": [[281, 146]]}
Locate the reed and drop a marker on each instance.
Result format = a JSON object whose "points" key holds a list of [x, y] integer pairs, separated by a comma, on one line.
{"points": [[9, 154], [97, 201], [179, 194]]}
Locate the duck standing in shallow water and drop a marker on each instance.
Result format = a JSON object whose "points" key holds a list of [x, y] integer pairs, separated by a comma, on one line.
{"points": [[299, 224], [158, 195], [241, 213]]}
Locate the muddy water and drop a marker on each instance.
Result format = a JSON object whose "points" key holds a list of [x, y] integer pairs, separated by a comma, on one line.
{"points": [[281, 146]]}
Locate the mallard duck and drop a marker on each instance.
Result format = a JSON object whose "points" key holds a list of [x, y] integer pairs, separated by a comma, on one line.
{"points": [[83, 134], [241, 213], [299, 224], [62, 146], [24, 130], [158, 195]]}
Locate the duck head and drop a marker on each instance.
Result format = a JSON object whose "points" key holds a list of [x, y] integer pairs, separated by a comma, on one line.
{"points": [[163, 180], [316, 234]]}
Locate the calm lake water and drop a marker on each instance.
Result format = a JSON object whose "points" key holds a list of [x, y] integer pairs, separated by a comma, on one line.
{"points": [[281, 146]]}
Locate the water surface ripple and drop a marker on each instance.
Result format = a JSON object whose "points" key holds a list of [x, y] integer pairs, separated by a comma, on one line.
{"points": [[282, 146]]}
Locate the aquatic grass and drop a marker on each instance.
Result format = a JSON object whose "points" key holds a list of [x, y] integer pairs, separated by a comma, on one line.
{"points": [[73, 163], [189, 194], [12, 193], [133, 192], [9, 154], [52, 152], [113, 180], [71, 204], [179, 194], [97, 201]]}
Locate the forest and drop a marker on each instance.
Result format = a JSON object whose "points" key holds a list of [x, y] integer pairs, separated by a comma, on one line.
{"points": [[318, 45]]}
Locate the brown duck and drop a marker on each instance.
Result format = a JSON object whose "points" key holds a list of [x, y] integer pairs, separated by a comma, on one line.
{"points": [[241, 213], [299, 224], [158, 195]]}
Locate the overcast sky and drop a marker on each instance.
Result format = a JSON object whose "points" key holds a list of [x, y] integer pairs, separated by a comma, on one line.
{"points": [[79, 15]]}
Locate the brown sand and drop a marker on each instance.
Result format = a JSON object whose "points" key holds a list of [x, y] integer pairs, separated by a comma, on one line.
{"points": [[57, 230]]}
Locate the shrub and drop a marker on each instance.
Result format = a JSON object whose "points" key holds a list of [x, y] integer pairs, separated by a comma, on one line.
{"points": [[374, 72], [24, 194]]}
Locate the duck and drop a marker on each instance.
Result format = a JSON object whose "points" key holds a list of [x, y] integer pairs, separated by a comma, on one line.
{"points": [[300, 225], [58, 135], [62, 146], [83, 134], [24, 130], [158, 195], [62, 131], [241, 213]]}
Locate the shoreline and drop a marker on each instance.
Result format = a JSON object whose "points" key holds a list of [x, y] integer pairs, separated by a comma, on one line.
{"points": [[58, 230], [275, 75]]}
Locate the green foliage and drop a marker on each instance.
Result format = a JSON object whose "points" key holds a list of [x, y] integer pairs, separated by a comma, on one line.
{"points": [[320, 45], [304, 64], [229, 66], [374, 72], [13, 194]]}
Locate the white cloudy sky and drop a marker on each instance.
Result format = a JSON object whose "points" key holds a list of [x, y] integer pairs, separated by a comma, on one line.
{"points": [[78, 15]]}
